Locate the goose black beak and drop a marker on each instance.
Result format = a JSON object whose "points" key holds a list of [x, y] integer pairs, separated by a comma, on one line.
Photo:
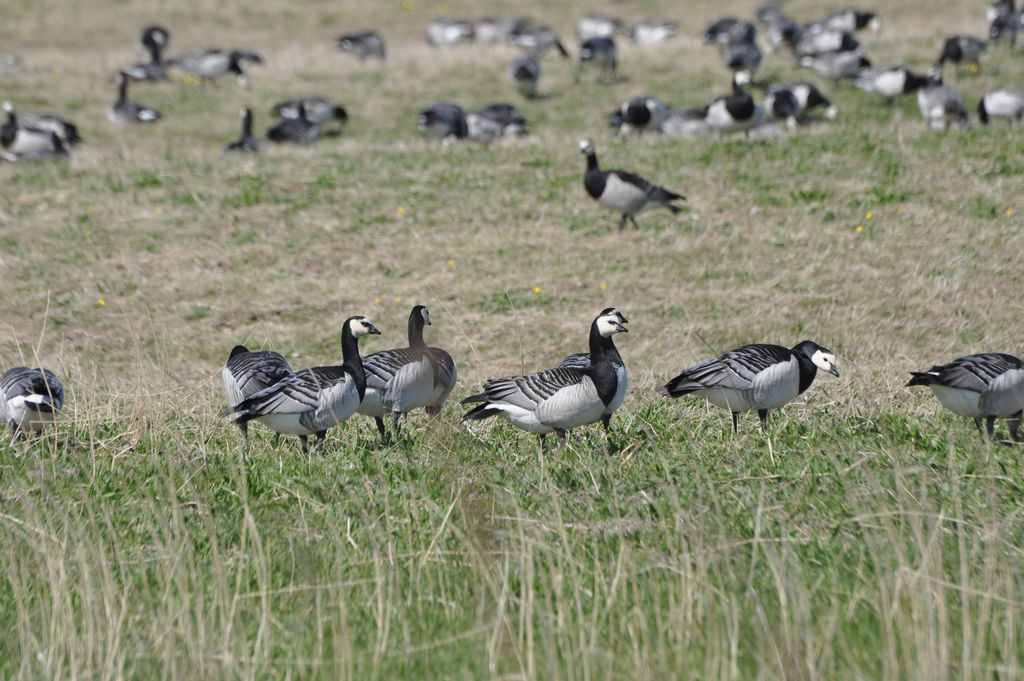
{"points": [[373, 330], [834, 370], [621, 329]]}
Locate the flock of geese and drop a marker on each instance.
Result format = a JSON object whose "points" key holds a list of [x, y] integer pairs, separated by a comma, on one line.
{"points": [[585, 388]]}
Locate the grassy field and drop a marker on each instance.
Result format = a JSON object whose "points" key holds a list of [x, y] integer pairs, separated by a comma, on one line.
{"points": [[870, 535]]}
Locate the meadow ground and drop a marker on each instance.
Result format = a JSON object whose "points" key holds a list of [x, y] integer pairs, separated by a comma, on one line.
{"points": [[871, 535]]}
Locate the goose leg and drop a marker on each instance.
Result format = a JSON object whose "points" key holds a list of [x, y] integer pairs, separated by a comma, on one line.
{"points": [[990, 426], [1014, 424], [763, 415], [381, 430], [981, 425], [561, 438], [622, 222], [633, 220], [395, 424], [735, 422], [543, 442], [305, 444], [321, 436], [244, 427]]}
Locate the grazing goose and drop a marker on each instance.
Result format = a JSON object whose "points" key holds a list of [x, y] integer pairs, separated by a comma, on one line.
{"points": [[597, 26], [601, 52], [154, 40], [651, 32], [623, 192], [402, 380], [525, 74], [734, 112], [30, 138], [364, 44], [837, 66], [494, 121], [443, 121], [61, 127], [1007, 102], [851, 20], [55, 150], [445, 32], [638, 114], [757, 377], [784, 32], [984, 386], [743, 57], [730, 31], [789, 101], [941, 106], [824, 40], [581, 360], [686, 123], [249, 372], [961, 49], [493, 30], [318, 110], [998, 9], [126, 111], [890, 82], [539, 40], [311, 401], [1005, 27], [208, 65], [557, 400], [298, 130], [30, 399], [247, 142]]}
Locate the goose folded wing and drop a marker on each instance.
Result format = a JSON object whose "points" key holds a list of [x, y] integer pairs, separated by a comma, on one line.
{"points": [[381, 367], [579, 360], [735, 369], [530, 390], [445, 372], [976, 372], [296, 394]]}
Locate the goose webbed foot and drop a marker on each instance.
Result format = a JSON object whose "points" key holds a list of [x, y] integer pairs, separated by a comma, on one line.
{"points": [[1014, 424]]}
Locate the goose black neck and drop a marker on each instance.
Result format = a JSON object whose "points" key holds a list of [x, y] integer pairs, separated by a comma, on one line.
{"points": [[416, 323], [351, 360], [807, 369], [247, 124], [592, 161], [155, 52], [122, 89], [602, 371], [602, 348]]}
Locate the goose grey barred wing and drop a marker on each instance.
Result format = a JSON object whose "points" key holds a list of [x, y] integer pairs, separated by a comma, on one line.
{"points": [[297, 393], [26, 381], [247, 373], [445, 372], [971, 372], [382, 366], [735, 369], [530, 390], [579, 360]]}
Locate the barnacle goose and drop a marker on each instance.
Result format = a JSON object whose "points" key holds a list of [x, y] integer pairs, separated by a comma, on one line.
{"points": [[298, 130], [984, 386], [757, 377], [686, 123], [55, 150], [444, 121], [311, 401], [445, 32], [557, 400], [61, 127], [30, 399], [318, 110], [851, 20], [154, 40], [999, 8], [837, 66], [940, 106], [638, 114], [247, 142], [597, 26], [494, 121], [126, 111], [820, 40], [247, 372], [364, 44], [890, 82], [653, 31], [35, 136], [743, 57], [600, 51], [495, 30], [538, 40], [961, 49], [734, 112], [209, 65], [789, 101], [402, 380], [1005, 25], [730, 31], [525, 74], [623, 192], [1007, 102], [581, 360]]}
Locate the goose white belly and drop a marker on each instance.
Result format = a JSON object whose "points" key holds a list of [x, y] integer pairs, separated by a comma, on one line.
{"points": [[572, 406], [524, 418], [1005, 397], [772, 388], [411, 387], [31, 142], [286, 424], [337, 403], [1004, 104], [622, 383], [889, 83], [18, 412], [372, 404], [959, 401], [622, 196], [719, 118]]}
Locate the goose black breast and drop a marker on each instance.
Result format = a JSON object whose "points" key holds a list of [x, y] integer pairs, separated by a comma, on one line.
{"points": [[595, 183], [740, 106]]}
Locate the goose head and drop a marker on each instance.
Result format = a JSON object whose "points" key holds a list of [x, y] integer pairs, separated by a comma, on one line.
{"points": [[423, 313], [823, 358], [586, 147], [362, 326], [741, 78], [610, 322]]}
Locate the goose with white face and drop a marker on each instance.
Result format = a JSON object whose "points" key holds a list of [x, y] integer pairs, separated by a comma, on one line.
{"points": [[825, 360], [362, 326], [611, 324]]}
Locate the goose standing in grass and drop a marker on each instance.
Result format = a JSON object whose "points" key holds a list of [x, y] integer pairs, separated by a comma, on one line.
{"points": [[790, 101], [730, 31], [891, 82], [960, 50], [525, 74], [941, 106], [625, 193], [539, 40], [445, 32], [311, 401], [1005, 27], [30, 399], [734, 112], [494, 121], [743, 57], [688, 122], [852, 20], [34, 137], [298, 130], [208, 65], [364, 44], [318, 110], [61, 127], [1007, 102], [581, 360], [639, 115], [601, 52], [126, 111], [652, 31], [597, 26], [758, 377], [154, 40], [837, 66], [402, 380], [983, 387], [497, 30], [247, 142], [443, 121], [248, 372], [557, 400]]}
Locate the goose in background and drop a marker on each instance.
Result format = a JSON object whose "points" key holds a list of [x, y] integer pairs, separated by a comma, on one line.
{"points": [[61, 127], [495, 30], [1007, 102], [9, 61], [55, 151], [837, 66], [154, 41], [851, 20], [33, 137], [730, 31], [744, 57], [364, 44], [525, 74], [686, 123], [999, 8], [30, 399], [623, 192], [983, 387], [639, 115], [815, 42], [581, 360], [494, 121], [653, 31], [941, 106], [960, 50], [402, 380], [1005, 27], [890, 83], [247, 142], [248, 372], [598, 26], [318, 110], [445, 32], [298, 130], [443, 121], [538, 41], [758, 377], [126, 111], [790, 101], [601, 52], [311, 401], [208, 65], [784, 32], [735, 112], [561, 399]]}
